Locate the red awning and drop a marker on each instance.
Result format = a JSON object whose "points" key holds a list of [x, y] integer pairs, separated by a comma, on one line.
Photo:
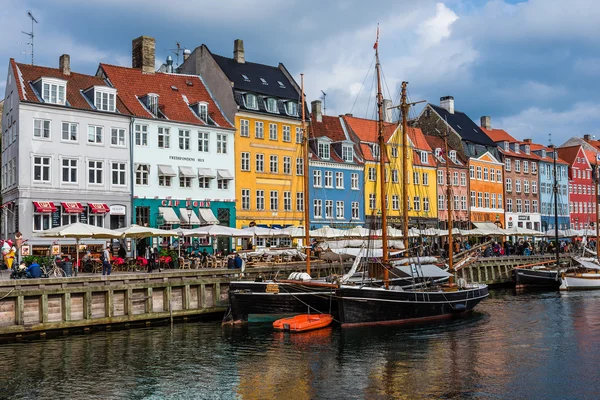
{"points": [[72, 208], [44, 206], [98, 208]]}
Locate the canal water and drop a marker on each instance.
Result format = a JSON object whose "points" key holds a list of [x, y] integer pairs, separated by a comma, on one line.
{"points": [[534, 346]]}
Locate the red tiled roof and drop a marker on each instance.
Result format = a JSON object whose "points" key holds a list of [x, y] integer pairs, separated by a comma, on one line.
{"points": [[367, 130], [591, 155], [569, 154], [499, 135], [133, 84], [595, 143], [75, 84], [330, 127]]}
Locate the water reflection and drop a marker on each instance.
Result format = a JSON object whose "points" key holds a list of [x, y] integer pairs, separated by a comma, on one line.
{"points": [[541, 345]]}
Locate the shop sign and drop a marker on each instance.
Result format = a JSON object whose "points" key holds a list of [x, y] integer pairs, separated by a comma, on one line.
{"points": [[117, 210], [523, 217], [186, 203]]}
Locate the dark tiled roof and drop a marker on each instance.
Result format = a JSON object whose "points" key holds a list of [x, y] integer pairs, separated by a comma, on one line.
{"points": [[254, 72], [464, 126], [175, 94], [436, 142], [75, 84]]}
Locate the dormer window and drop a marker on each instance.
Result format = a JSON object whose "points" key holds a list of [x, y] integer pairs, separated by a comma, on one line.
{"points": [[543, 153], [424, 158], [527, 149], [438, 152], [52, 90], [250, 100], [104, 100], [323, 150], [281, 85], [375, 149], [347, 153], [271, 105], [201, 110], [264, 82], [452, 155], [245, 77], [506, 146], [152, 103], [291, 108], [517, 149]]}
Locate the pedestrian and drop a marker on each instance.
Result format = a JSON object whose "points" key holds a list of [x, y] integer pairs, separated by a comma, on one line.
{"points": [[105, 258], [238, 261], [230, 262], [122, 252], [153, 260]]}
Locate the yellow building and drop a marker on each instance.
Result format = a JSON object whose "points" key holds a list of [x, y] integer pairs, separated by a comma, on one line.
{"points": [[422, 187]]}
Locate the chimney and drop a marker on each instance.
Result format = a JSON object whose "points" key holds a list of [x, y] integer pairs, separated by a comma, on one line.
{"points": [[238, 51], [527, 140], [387, 111], [587, 138], [550, 146], [447, 102], [486, 122], [142, 54], [186, 54], [316, 110], [64, 64]]}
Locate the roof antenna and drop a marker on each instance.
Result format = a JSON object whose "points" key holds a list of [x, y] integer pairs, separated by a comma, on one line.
{"points": [[178, 50], [324, 103], [30, 34]]}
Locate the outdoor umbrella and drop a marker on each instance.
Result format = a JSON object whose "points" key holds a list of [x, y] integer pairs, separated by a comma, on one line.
{"points": [[215, 230], [140, 232], [357, 231], [80, 231], [294, 231], [327, 232], [265, 232]]}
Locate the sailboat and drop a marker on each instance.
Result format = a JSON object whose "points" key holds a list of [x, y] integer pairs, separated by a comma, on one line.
{"points": [[391, 304]]}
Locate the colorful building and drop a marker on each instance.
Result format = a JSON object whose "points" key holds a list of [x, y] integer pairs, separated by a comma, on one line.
{"points": [[263, 101], [582, 192], [336, 174], [486, 190]]}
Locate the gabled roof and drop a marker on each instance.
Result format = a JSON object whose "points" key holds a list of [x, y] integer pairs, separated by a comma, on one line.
{"points": [[254, 71], [436, 142], [569, 154], [329, 126], [175, 94], [499, 135], [76, 83], [464, 126], [367, 130]]}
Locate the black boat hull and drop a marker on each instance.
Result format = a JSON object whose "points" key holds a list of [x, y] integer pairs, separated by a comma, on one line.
{"points": [[367, 306], [524, 278]]}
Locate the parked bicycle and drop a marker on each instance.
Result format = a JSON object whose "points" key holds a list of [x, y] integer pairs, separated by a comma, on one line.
{"points": [[53, 270]]}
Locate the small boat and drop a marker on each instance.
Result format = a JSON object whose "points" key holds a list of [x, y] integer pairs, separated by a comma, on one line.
{"points": [[587, 278], [303, 322], [536, 278]]}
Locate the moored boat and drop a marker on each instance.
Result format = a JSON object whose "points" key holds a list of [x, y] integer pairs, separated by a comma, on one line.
{"points": [[536, 278], [303, 322]]}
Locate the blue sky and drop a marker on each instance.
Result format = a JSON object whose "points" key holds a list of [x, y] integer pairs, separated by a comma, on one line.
{"points": [[533, 66]]}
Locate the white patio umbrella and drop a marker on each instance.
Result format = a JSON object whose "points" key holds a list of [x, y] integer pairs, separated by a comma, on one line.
{"points": [[265, 232], [518, 231], [396, 233], [327, 232], [140, 232], [294, 231], [80, 231], [215, 230]]}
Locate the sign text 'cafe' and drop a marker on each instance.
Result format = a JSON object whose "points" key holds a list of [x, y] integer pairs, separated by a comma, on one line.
{"points": [[186, 203]]}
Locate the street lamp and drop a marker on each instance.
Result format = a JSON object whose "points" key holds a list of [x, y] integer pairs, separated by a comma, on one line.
{"points": [[189, 213]]}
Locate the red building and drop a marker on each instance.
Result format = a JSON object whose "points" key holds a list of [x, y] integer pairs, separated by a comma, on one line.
{"points": [[581, 187]]}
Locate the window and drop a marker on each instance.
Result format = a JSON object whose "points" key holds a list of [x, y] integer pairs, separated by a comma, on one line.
{"points": [[395, 202], [69, 218], [507, 164], [463, 203], [527, 207], [375, 150], [260, 199], [455, 181], [329, 209], [287, 201], [416, 177], [244, 128], [317, 178], [486, 199], [291, 107], [286, 133], [221, 143], [271, 105], [518, 165], [53, 93], [251, 101], [223, 184], [372, 201], [299, 166], [463, 179], [424, 158], [526, 186], [347, 153], [41, 128], [69, 131], [299, 201], [426, 203], [95, 172], [69, 170], [519, 206], [509, 205], [472, 198], [440, 177], [355, 210], [493, 200], [165, 181], [339, 209], [141, 135], [339, 180], [499, 200], [142, 173], [328, 179], [472, 172], [417, 203], [104, 101], [117, 137], [354, 181], [245, 199], [204, 183], [184, 139], [517, 185], [259, 130], [525, 167], [440, 202], [492, 175], [323, 150], [318, 208], [274, 164], [498, 175], [95, 134], [394, 151], [479, 173], [479, 199], [298, 135], [164, 138], [534, 204], [372, 174], [485, 174], [41, 222], [287, 165], [203, 138], [395, 176], [185, 182]]}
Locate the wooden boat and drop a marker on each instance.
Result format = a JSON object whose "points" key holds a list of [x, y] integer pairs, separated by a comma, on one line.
{"points": [[580, 281], [303, 322]]}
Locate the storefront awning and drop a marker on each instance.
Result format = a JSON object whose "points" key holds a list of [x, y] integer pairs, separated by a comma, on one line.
{"points": [[205, 173], [98, 208], [188, 172], [188, 217], [166, 170], [72, 208], [224, 174], [207, 217], [169, 215], [44, 206]]}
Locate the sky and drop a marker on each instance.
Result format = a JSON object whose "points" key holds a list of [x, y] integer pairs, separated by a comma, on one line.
{"points": [[533, 66]]}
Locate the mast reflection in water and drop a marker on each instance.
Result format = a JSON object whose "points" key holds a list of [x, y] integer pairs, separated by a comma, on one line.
{"points": [[532, 346]]}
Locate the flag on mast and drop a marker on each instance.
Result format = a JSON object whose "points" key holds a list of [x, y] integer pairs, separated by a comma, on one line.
{"points": [[377, 40]]}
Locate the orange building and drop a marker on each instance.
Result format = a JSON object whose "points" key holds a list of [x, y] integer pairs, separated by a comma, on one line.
{"points": [[486, 189]]}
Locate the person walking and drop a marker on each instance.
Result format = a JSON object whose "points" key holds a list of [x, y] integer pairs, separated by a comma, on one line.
{"points": [[105, 258]]}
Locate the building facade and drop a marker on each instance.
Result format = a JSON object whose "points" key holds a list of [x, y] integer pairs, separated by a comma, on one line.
{"points": [[486, 190], [582, 192], [263, 101], [66, 152]]}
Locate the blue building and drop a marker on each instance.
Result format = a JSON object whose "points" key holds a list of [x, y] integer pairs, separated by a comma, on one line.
{"points": [[546, 177], [336, 190]]}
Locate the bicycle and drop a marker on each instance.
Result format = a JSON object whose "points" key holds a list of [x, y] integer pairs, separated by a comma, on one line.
{"points": [[54, 271]]}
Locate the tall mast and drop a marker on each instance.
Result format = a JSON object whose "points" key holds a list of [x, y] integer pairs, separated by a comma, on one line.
{"points": [[450, 202], [595, 191], [404, 106], [382, 159], [555, 190], [305, 155]]}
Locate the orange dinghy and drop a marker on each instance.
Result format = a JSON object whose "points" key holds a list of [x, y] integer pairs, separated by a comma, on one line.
{"points": [[303, 322]]}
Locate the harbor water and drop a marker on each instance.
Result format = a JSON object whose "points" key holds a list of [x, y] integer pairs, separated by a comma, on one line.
{"points": [[531, 346]]}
